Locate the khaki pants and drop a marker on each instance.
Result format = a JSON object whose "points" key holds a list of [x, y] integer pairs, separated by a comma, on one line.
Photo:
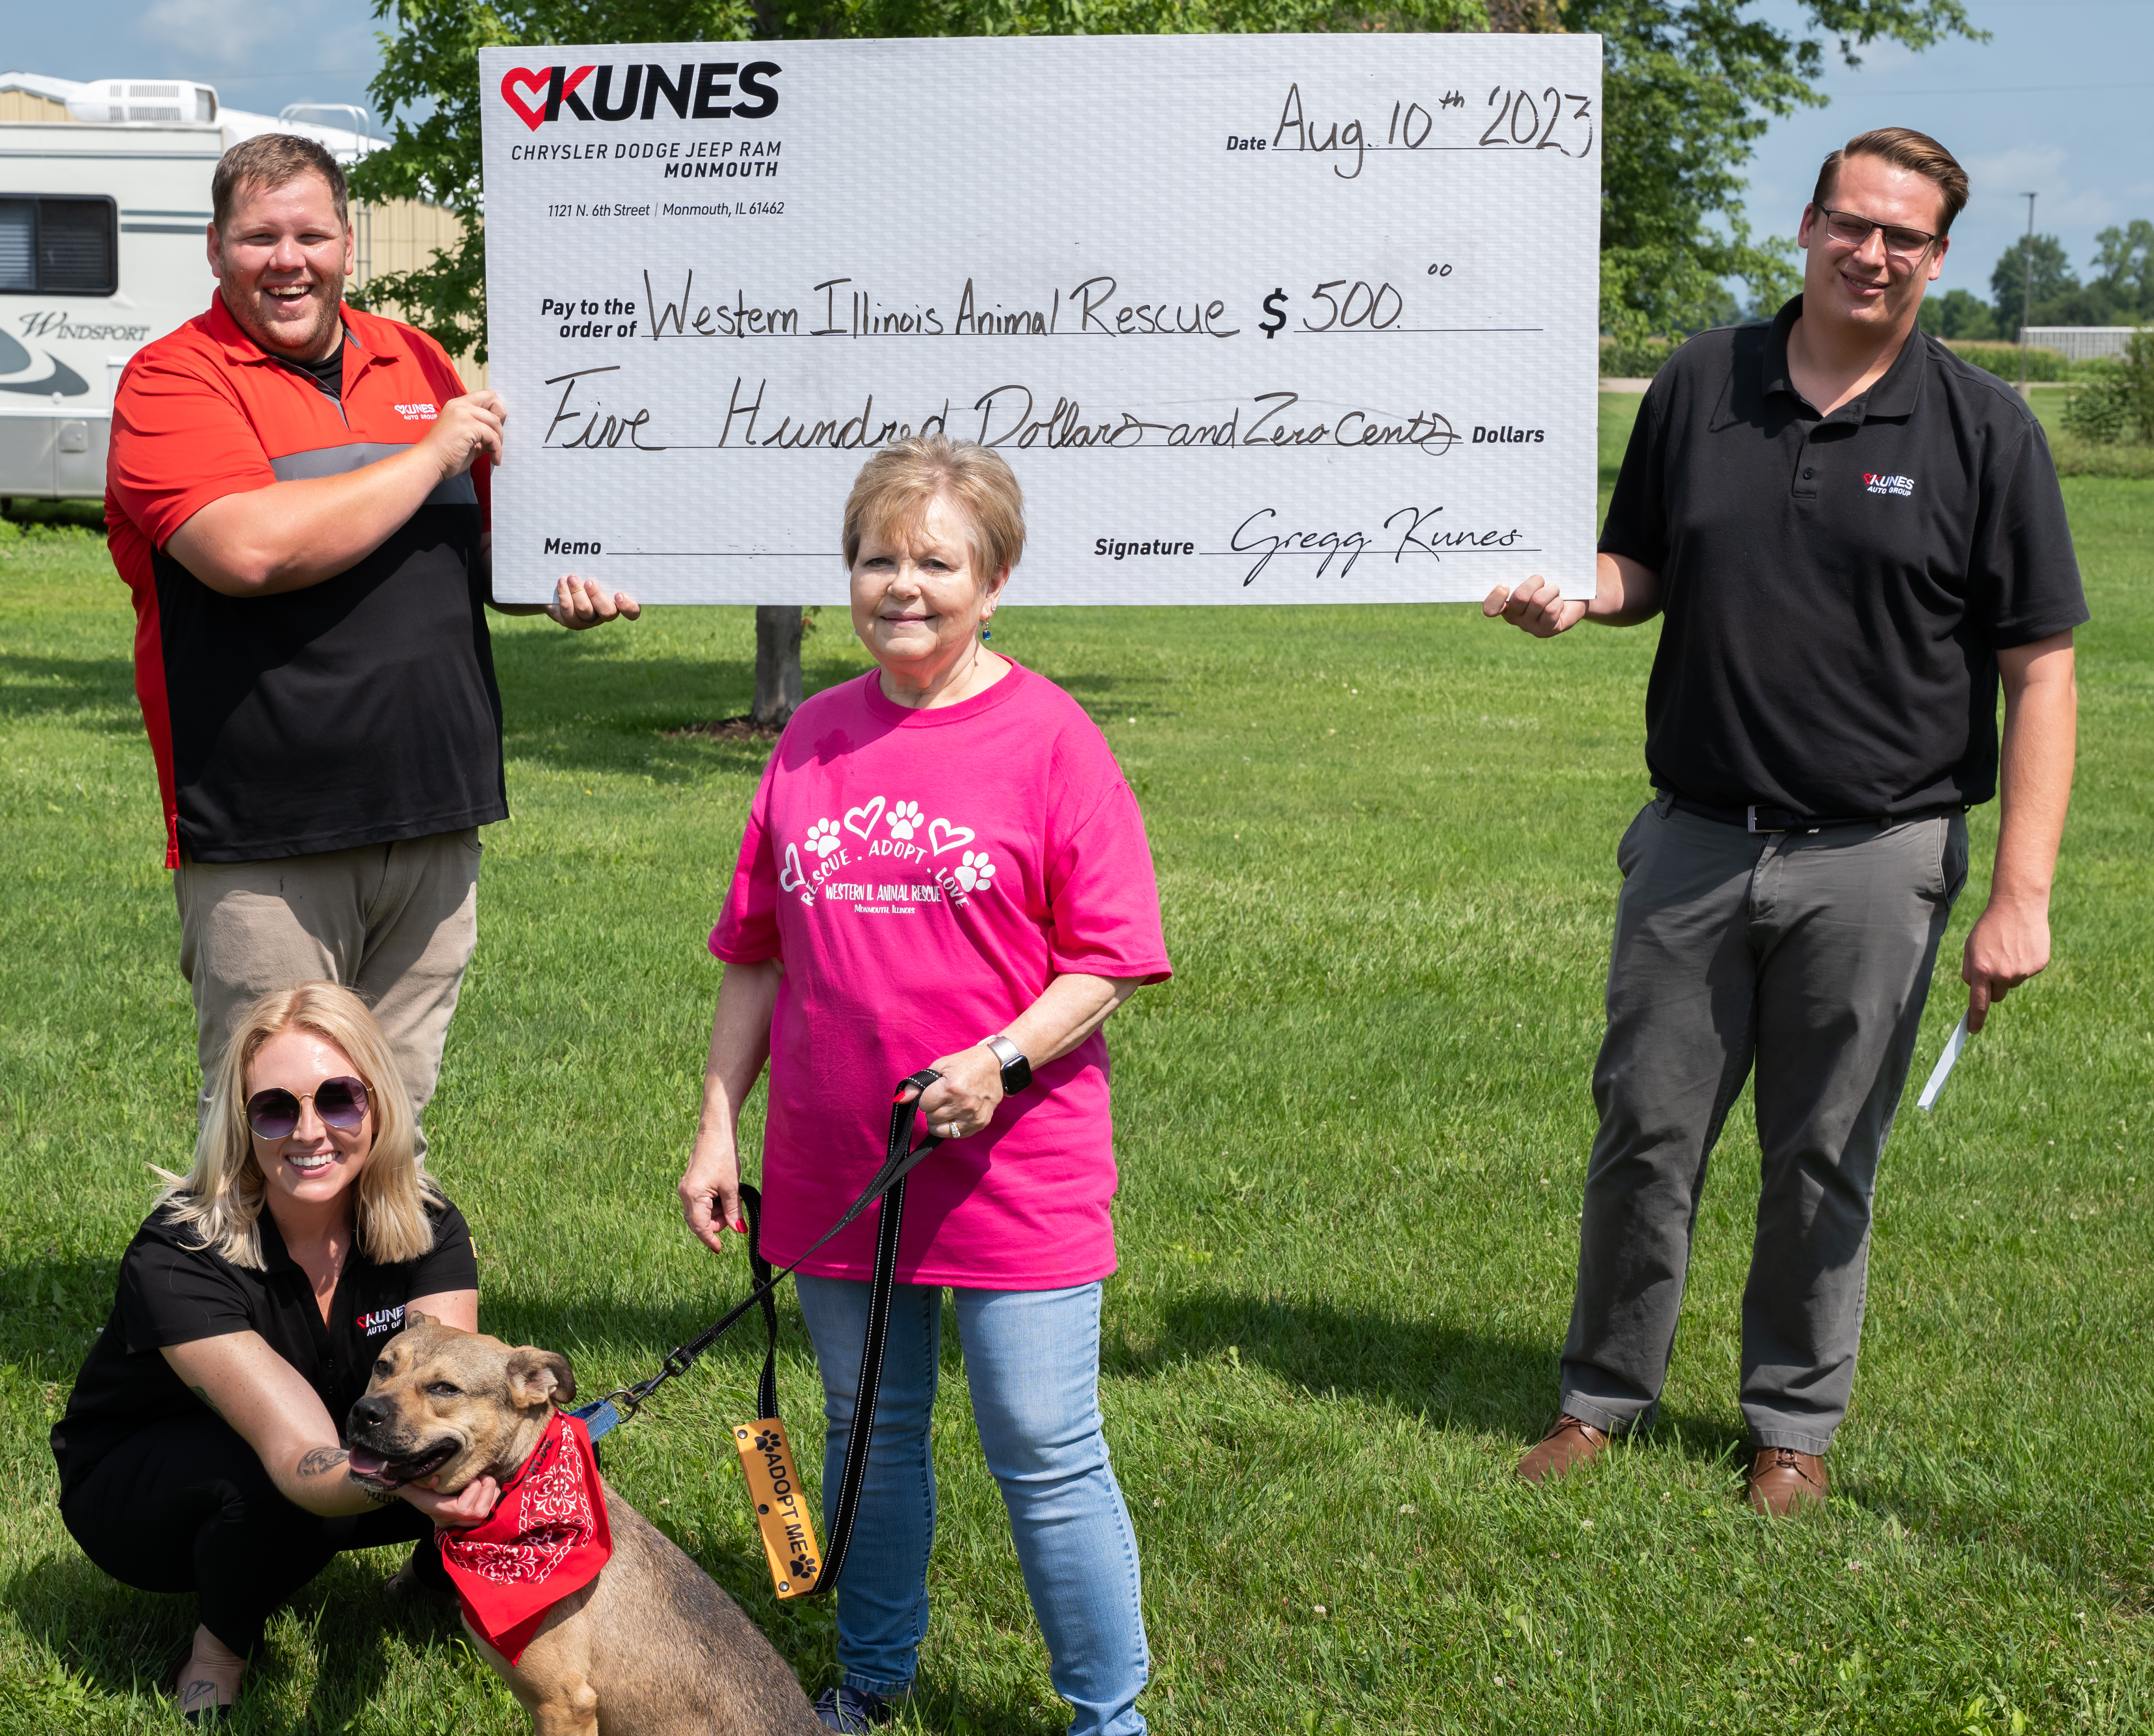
{"points": [[394, 922], [1808, 956]]}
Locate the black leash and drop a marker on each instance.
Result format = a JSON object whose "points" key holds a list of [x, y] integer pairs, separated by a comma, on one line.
{"points": [[900, 1156]]}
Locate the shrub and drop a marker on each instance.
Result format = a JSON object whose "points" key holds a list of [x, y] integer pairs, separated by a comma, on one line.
{"points": [[2136, 378], [2131, 459], [2117, 404], [2002, 359], [1639, 360], [2099, 413]]}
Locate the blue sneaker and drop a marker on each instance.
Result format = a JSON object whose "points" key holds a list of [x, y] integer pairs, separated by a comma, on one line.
{"points": [[851, 1710]]}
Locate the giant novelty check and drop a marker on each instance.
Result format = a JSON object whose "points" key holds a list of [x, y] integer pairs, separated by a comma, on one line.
{"points": [[1255, 319]]}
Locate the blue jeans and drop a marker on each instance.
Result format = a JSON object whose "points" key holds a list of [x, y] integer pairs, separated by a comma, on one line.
{"points": [[1032, 1359]]}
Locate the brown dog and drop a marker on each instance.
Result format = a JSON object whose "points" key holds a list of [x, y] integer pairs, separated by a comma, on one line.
{"points": [[650, 1647]]}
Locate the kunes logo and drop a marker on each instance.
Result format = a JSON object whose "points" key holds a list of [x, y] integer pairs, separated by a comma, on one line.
{"points": [[707, 92]]}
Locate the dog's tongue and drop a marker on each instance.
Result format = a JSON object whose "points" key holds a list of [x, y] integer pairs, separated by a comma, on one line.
{"points": [[364, 1464]]}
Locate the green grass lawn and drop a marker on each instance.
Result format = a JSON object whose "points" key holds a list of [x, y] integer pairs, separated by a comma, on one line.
{"points": [[1352, 1131]]}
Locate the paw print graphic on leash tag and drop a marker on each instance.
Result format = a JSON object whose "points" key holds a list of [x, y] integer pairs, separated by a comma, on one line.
{"points": [[781, 1511]]}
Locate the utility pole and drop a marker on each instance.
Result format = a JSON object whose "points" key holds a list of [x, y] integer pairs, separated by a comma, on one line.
{"points": [[2027, 289]]}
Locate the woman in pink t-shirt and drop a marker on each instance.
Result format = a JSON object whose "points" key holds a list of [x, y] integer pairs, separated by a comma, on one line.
{"points": [[944, 867]]}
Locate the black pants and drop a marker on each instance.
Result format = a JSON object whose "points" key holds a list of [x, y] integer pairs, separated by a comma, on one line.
{"points": [[188, 1506]]}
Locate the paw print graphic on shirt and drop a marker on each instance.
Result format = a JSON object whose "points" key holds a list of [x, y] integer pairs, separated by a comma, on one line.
{"points": [[974, 871], [905, 820], [823, 836]]}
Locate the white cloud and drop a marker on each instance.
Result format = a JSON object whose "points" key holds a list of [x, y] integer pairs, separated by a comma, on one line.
{"points": [[2007, 176], [233, 36], [1880, 60]]}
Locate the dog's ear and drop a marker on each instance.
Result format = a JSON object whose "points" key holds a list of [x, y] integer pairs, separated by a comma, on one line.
{"points": [[412, 1318], [539, 1377]]}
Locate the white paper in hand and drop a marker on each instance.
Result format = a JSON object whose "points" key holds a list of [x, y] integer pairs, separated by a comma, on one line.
{"points": [[1943, 1072]]}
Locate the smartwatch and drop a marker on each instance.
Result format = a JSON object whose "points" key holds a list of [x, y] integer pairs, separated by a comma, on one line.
{"points": [[1017, 1070]]}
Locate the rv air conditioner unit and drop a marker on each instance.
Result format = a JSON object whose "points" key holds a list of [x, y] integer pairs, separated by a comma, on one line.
{"points": [[166, 102]]}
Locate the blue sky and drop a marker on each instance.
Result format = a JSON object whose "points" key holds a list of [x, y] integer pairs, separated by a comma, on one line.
{"points": [[259, 58], [2056, 104]]}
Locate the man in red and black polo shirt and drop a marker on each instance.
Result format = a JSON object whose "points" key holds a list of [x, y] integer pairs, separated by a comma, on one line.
{"points": [[297, 500]]}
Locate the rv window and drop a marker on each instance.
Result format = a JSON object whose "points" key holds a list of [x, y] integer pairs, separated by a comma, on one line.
{"points": [[58, 246], [18, 244]]}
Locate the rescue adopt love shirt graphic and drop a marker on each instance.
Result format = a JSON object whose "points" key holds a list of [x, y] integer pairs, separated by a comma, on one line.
{"points": [[901, 861], [923, 876]]}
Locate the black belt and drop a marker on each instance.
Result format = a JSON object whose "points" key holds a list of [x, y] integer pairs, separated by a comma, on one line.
{"points": [[1760, 817]]}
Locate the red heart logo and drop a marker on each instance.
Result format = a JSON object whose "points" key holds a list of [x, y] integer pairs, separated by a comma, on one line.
{"points": [[533, 117]]}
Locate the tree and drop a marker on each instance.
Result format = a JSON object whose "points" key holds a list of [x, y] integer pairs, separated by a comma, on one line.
{"points": [[1689, 86], [1957, 314], [2127, 263], [2053, 279]]}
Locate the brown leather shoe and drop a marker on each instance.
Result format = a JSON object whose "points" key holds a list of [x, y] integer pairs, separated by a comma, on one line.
{"points": [[1783, 1479], [1564, 1448]]}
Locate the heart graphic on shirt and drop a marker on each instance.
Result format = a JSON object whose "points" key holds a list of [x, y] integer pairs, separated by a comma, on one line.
{"points": [[861, 820], [532, 116], [790, 877], [942, 836]]}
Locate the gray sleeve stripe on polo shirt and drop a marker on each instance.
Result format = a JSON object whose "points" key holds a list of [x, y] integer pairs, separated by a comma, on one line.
{"points": [[357, 455]]}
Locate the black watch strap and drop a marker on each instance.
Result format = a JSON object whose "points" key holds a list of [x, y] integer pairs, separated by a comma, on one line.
{"points": [[1017, 1070]]}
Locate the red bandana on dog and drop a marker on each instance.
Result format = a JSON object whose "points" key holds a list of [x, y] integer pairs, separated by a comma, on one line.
{"points": [[546, 1537]]}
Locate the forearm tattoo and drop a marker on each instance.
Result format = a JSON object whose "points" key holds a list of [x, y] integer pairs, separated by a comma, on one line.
{"points": [[202, 1393], [320, 1461]]}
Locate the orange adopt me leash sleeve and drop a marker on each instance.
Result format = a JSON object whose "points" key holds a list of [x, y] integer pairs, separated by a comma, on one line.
{"points": [[546, 1537]]}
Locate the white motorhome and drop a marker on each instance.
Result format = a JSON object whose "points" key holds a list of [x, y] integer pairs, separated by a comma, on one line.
{"points": [[103, 201]]}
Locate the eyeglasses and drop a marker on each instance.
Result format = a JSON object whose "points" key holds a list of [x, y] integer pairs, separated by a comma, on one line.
{"points": [[1851, 231], [274, 1113]]}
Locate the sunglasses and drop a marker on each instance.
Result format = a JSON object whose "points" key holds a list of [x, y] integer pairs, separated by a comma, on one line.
{"points": [[274, 1113]]}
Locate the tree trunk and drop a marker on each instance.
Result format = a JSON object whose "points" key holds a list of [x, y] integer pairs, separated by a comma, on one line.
{"points": [[777, 663]]}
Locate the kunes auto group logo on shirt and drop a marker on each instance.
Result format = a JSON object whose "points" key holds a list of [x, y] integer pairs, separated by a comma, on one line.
{"points": [[714, 90], [904, 860], [381, 1321], [1873, 483]]}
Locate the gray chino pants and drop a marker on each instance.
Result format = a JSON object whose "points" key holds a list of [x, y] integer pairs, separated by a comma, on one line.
{"points": [[394, 922], [1808, 955]]}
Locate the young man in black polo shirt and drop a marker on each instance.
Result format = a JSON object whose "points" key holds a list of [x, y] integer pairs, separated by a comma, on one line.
{"points": [[1852, 537]]}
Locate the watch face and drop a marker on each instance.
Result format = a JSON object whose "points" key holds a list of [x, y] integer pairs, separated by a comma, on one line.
{"points": [[1016, 1074]]}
